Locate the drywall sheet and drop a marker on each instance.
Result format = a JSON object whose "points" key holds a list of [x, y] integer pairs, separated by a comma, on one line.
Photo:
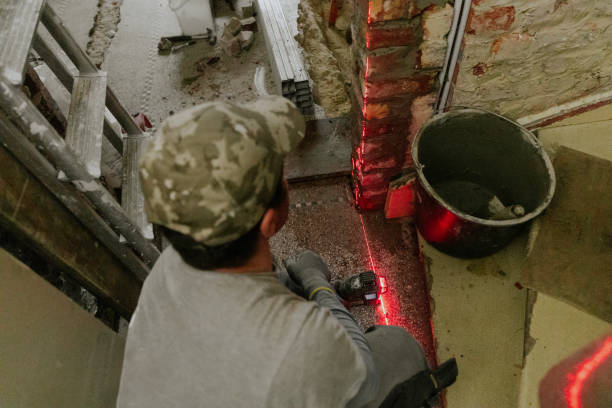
{"points": [[524, 56], [52, 352]]}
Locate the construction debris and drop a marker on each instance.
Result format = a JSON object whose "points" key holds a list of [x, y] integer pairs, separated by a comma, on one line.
{"points": [[232, 28], [237, 35], [246, 39], [230, 46], [288, 68], [249, 24]]}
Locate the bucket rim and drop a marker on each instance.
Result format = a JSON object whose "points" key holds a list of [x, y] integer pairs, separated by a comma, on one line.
{"points": [[529, 137]]}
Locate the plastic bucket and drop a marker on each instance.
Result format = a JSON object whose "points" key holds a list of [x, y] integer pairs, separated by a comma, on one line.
{"points": [[481, 179]]}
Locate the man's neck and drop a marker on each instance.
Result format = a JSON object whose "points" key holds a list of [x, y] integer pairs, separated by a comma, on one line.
{"points": [[260, 262]]}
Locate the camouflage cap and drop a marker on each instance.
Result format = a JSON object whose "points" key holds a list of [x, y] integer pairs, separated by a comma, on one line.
{"points": [[211, 171]]}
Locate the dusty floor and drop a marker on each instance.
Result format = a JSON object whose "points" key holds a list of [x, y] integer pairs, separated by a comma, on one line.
{"points": [[323, 219]]}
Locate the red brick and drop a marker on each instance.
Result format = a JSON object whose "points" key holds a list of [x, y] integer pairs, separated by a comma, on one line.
{"points": [[381, 147], [417, 85], [389, 10], [376, 179], [379, 160], [387, 81], [381, 37], [390, 63], [373, 202], [374, 128]]}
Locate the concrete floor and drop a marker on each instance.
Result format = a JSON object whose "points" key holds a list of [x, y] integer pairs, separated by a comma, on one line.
{"points": [[504, 340]]}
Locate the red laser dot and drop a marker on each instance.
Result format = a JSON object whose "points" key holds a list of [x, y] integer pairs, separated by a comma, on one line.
{"points": [[584, 370], [382, 282]]}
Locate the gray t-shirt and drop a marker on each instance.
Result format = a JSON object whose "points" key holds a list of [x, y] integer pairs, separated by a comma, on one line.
{"points": [[208, 339]]}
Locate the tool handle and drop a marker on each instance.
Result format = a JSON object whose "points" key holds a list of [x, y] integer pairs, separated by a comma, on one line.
{"points": [[177, 38]]}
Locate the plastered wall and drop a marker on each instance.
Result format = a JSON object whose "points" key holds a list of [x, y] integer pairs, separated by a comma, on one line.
{"points": [[524, 56]]}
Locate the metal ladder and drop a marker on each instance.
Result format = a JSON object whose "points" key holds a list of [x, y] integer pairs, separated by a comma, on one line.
{"points": [[69, 166]]}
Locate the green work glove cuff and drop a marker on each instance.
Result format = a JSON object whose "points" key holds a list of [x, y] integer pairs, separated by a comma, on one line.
{"points": [[319, 289]]}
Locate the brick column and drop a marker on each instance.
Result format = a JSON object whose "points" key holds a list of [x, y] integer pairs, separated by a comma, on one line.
{"points": [[398, 50]]}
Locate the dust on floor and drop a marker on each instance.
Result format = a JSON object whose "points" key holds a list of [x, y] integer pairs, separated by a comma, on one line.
{"points": [[160, 85]]}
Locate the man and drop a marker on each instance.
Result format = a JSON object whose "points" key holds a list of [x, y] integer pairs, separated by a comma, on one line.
{"points": [[214, 325]]}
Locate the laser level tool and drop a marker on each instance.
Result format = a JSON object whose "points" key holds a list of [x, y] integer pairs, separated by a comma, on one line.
{"points": [[362, 288]]}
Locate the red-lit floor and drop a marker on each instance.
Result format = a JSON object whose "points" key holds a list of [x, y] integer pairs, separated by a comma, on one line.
{"points": [[323, 219]]}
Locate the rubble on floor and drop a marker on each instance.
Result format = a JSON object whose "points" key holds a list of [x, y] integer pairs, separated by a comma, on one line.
{"points": [[238, 35]]}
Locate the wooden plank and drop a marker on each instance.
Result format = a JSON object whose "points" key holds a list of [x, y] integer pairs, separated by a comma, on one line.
{"points": [[86, 120], [571, 257], [30, 211], [61, 67], [324, 152], [132, 199], [36, 164], [63, 158], [18, 20]]}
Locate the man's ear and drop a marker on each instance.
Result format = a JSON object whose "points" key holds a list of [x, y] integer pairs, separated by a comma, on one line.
{"points": [[269, 223]]}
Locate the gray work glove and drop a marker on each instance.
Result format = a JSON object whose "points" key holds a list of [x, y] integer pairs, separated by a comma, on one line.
{"points": [[310, 271]]}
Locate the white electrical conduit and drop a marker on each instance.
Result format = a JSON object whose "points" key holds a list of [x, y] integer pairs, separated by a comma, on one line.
{"points": [[455, 40]]}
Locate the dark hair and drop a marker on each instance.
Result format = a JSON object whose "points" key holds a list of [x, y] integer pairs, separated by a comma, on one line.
{"points": [[229, 255]]}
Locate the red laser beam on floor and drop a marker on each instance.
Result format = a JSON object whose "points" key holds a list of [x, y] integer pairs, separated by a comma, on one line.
{"points": [[584, 370], [382, 301]]}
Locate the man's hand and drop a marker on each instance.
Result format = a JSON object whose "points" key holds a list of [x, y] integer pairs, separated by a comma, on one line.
{"points": [[310, 272]]}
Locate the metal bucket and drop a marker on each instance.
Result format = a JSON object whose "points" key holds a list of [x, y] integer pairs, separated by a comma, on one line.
{"points": [[481, 179]]}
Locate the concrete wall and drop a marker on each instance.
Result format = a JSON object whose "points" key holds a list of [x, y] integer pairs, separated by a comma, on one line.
{"points": [[524, 56], [52, 352]]}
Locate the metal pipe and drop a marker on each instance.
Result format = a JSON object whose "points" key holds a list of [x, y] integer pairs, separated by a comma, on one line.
{"points": [[36, 127], [454, 56], [123, 117], [61, 34], [57, 29], [449, 48], [53, 61], [35, 162], [64, 75]]}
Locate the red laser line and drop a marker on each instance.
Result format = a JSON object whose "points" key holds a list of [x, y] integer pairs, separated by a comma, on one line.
{"points": [[384, 310], [573, 391], [365, 236]]}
